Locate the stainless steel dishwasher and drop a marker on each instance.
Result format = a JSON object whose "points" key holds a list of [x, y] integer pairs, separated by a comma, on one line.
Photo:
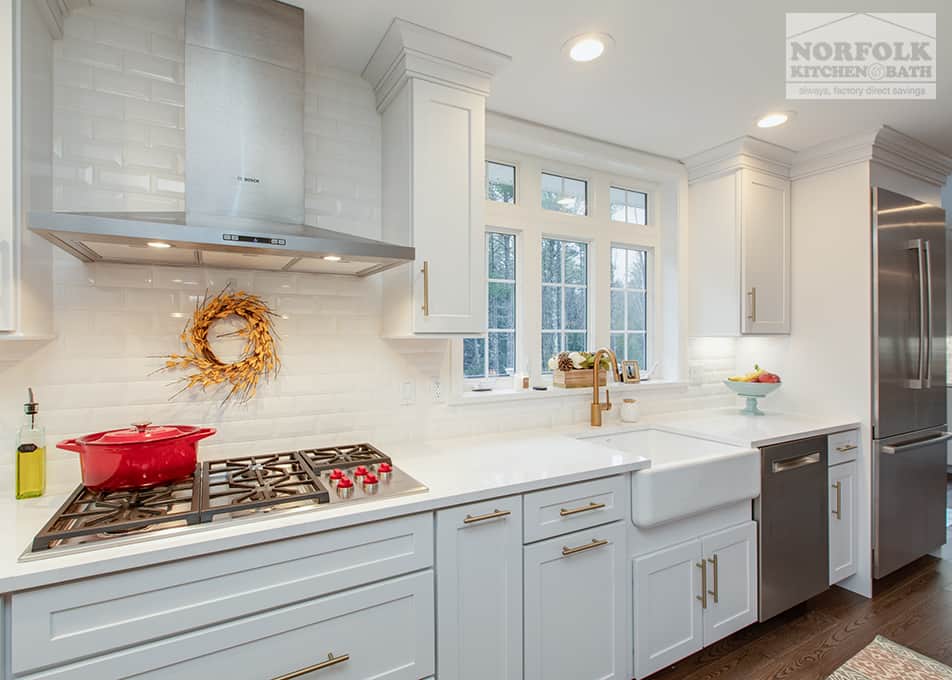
{"points": [[792, 524]]}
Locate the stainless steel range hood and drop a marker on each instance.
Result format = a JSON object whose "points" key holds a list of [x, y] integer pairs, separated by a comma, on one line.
{"points": [[244, 161]]}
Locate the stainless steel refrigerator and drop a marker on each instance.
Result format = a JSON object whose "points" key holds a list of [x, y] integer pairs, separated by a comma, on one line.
{"points": [[909, 380]]}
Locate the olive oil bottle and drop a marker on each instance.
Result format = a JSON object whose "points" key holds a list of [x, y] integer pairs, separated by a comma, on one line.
{"points": [[31, 452]]}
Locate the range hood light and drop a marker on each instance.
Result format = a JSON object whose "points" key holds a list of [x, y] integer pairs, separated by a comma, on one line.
{"points": [[332, 258], [158, 244]]}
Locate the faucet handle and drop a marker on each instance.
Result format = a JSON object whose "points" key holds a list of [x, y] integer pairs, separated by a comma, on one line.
{"points": [[608, 400]]}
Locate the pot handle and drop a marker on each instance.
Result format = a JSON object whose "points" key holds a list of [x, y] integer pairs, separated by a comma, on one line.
{"points": [[69, 445], [203, 432]]}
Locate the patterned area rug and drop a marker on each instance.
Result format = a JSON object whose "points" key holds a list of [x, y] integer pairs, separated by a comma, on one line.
{"points": [[883, 659]]}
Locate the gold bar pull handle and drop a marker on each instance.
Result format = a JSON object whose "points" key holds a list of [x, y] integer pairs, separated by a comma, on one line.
{"points": [[596, 543], [752, 294], [567, 512], [713, 561], [838, 486], [331, 661], [426, 287], [702, 565], [846, 448], [495, 514]]}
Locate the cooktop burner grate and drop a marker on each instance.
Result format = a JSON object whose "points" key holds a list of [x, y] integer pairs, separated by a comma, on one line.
{"points": [[100, 514], [330, 457], [252, 482]]}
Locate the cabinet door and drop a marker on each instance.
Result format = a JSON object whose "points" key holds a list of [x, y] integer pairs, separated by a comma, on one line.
{"points": [[731, 581], [668, 614], [479, 590], [843, 538], [765, 253], [448, 159], [575, 606], [8, 221]]}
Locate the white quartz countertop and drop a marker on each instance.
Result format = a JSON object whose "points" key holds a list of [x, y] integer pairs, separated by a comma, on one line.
{"points": [[455, 471]]}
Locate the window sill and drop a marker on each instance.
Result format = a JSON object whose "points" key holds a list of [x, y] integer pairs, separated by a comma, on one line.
{"points": [[470, 398]]}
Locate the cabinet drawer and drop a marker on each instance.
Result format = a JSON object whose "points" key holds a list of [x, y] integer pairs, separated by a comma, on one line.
{"points": [[552, 512], [385, 630], [93, 616], [844, 446]]}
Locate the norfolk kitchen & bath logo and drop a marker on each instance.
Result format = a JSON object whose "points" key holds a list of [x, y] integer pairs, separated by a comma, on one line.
{"points": [[861, 55]]}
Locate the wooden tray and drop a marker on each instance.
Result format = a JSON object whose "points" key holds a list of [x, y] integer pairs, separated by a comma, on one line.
{"points": [[578, 378]]}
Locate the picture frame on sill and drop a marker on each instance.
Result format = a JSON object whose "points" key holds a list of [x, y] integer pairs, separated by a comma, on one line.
{"points": [[630, 372]]}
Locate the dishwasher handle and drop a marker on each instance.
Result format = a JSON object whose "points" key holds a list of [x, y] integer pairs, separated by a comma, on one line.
{"points": [[795, 462]]}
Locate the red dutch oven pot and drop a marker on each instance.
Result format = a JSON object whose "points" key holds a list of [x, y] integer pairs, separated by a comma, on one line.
{"points": [[138, 457]]}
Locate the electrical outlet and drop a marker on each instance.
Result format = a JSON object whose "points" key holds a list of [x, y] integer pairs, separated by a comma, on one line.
{"points": [[407, 392], [437, 389], [696, 375]]}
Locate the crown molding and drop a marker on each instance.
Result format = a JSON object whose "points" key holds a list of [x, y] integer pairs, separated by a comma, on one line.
{"points": [[741, 153], [884, 145], [408, 50]]}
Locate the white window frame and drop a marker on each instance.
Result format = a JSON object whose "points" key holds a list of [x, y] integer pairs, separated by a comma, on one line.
{"points": [[563, 285], [515, 182], [531, 222], [627, 205], [562, 176], [649, 318], [500, 380]]}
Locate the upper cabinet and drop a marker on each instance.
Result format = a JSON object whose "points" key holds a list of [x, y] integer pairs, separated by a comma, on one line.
{"points": [[26, 157], [739, 239], [431, 92]]}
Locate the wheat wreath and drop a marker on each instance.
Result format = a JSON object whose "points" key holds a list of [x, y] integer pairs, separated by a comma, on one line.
{"points": [[259, 358]]}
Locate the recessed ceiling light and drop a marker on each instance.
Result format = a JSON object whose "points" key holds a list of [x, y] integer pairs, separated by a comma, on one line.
{"points": [[332, 258], [588, 47], [158, 244], [773, 120]]}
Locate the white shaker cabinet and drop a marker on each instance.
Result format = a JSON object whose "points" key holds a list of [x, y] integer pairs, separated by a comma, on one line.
{"points": [[668, 619], [26, 75], [843, 535], [691, 595], [731, 565], [431, 93], [479, 590], [739, 241], [575, 610]]}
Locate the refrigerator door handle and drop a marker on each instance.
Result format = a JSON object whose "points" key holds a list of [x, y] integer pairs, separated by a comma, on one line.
{"points": [[892, 450], [919, 382], [929, 309]]}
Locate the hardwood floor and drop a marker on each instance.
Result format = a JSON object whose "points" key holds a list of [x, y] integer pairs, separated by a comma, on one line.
{"points": [[912, 607]]}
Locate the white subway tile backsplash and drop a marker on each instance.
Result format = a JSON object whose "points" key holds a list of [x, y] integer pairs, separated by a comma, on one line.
{"points": [[152, 67], [152, 157], [120, 131], [73, 74], [168, 48], [88, 102], [121, 84], [125, 180], [121, 35], [168, 93], [168, 137], [88, 53], [154, 112], [104, 153]]}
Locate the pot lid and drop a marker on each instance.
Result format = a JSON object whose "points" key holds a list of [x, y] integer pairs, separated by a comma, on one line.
{"points": [[139, 433]]}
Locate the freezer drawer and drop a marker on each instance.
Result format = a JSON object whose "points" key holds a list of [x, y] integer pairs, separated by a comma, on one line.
{"points": [[792, 524], [909, 477]]}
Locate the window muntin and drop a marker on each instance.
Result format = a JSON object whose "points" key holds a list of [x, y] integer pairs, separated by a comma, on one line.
{"points": [[495, 355], [564, 194], [629, 304], [628, 206], [564, 297], [500, 182]]}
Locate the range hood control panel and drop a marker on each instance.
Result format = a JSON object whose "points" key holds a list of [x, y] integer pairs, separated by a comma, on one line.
{"points": [[244, 238]]}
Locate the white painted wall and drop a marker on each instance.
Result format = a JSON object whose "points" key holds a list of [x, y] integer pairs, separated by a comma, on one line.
{"points": [[340, 381]]}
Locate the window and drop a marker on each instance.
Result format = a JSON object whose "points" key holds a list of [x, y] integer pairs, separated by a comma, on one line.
{"points": [[564, 297], [628, 206], [564, 194], [500, 182], [495, 355], [629, 298]]}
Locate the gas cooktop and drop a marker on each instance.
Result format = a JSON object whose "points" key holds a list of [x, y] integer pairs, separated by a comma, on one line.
{"points": [[225, 489]]}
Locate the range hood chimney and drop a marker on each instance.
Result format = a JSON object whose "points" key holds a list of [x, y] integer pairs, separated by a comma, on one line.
{"points": [[244, 161]]}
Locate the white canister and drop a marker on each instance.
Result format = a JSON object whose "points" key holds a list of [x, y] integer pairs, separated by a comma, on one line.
{"points": [[630, 410]]}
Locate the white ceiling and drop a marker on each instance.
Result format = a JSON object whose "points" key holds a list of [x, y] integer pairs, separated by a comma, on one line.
{"points": [[684, 75]]}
